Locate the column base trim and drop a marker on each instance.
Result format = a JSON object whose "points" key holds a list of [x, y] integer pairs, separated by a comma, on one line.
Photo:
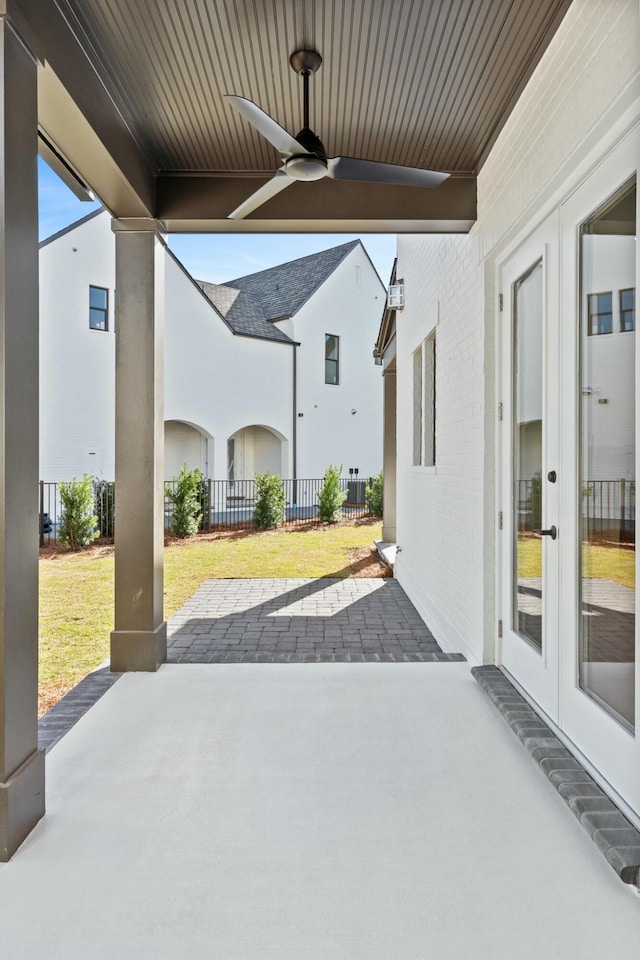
{"points": [[22, 804], [143, 650]]}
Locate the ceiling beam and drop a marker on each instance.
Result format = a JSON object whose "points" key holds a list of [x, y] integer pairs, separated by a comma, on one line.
{"points": [[196, 203], [81, 121]]}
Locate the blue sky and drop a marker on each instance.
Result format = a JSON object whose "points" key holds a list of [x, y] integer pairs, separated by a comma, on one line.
{"points": [[216, 257]]}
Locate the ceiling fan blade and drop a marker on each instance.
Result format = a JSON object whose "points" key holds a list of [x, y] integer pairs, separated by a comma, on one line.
{"points": [[371, 171], [272, 131], [270, 189]]}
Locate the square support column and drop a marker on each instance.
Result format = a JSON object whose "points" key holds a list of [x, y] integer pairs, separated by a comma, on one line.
{"points": [[389, 456], [21, 764], [139, 640]]}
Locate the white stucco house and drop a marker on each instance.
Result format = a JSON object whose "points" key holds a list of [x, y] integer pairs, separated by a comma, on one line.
{"points": [[270, 372], [513, 362]]}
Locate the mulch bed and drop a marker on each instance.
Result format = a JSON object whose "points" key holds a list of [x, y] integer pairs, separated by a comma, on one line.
{"points": [[366, 562]]}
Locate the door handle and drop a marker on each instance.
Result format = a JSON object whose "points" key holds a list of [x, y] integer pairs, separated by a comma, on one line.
{"points": [[551, 532]]}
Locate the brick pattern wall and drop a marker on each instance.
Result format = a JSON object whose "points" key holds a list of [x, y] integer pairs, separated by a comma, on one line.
{"points": [[440, 517]]}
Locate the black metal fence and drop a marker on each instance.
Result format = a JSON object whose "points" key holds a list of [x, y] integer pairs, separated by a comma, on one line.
{"points": [[608, 508], [225, 505]]}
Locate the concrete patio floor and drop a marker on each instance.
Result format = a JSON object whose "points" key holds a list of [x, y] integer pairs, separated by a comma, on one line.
{"points": [[368, 810]]}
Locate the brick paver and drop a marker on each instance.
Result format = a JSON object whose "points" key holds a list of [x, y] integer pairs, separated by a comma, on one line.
{"points": [[301, 620]]}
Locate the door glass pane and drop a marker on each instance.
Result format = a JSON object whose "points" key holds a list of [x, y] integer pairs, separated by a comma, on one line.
{"points": [[607, 455], [527, 455]]}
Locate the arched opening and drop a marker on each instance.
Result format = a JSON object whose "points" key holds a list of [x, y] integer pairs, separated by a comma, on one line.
{"points": [[256, 449], [186, 442]]}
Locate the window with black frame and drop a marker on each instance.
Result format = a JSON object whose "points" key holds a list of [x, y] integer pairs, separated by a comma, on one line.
{"points": [[627, 310], [600, 313], [331, 359], [98, 308]]}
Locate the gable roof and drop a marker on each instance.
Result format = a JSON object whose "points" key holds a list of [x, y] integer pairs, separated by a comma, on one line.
{"points": [[281, 291], [242, 312]]}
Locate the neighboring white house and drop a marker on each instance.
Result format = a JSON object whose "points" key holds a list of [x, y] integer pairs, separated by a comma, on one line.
{"points": [[270, 372], [515, 359]]}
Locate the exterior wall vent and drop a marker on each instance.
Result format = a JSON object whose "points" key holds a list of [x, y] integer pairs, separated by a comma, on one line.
{"points": [[395, 295]]}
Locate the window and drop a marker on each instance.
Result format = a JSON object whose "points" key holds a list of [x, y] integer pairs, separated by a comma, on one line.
{"points": [[627, 310], [600, 313], [424, 404], [331, 359], [98, 308]]}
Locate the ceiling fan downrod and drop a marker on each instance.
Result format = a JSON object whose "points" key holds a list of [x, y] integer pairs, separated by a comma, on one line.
{"points": [[313, 164], [305, 63]]}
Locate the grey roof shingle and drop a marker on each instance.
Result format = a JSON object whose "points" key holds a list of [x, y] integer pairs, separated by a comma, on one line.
{"points": [[282, 290], [250, 304], [242, 312]]}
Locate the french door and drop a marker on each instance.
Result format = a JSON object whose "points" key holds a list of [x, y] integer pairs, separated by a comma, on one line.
{"points": [[569, 361]]}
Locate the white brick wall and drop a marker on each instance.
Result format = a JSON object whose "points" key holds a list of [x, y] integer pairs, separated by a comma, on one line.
{"points": [[446, 515], [440, 515]]}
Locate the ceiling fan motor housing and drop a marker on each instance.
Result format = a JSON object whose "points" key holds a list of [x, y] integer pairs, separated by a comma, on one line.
{"points": [[306, 166], [311, 165]]}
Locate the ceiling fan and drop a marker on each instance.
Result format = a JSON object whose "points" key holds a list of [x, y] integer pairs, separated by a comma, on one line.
{"points": [[304, 157]]}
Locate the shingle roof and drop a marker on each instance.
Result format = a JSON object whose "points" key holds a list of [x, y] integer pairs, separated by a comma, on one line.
{"points": [[242, 312], [282, 290]]}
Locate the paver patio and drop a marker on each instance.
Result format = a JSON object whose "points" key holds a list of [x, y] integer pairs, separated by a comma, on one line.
{"points": [[301, 620]]}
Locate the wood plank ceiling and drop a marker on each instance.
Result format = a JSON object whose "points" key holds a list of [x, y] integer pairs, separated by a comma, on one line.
{"points": [[427, 84]]}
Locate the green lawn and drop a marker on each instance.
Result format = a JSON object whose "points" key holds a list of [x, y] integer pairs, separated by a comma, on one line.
{"points": [[599, 562], [76, 590]]}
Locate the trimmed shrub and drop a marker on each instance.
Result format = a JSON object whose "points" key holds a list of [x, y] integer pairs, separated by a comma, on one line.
{"points": [[270, 502], [78, 521], [373, 495], [184, 495], [331, 496]]}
